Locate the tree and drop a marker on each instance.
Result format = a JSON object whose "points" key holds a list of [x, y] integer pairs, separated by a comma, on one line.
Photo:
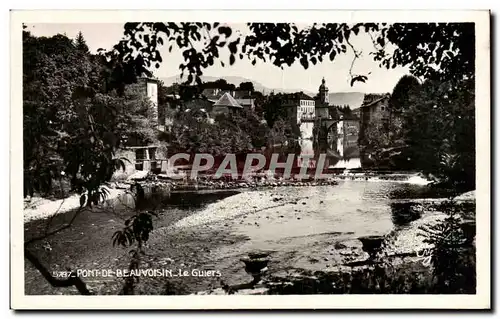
{"points": [[384, 144], [52, 70], [439, 128], [273, 108], [221, 84], [405, 87], [81, 44], [431, 50], [75, 115], [72, 123], [246, 86]]}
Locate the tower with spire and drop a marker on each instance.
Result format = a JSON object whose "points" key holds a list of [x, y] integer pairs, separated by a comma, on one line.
{"points": [[322, 101], [323, 93]]}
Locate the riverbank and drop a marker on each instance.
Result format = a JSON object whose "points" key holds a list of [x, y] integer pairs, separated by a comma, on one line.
{"points": [[302, 229], [37, 208]]}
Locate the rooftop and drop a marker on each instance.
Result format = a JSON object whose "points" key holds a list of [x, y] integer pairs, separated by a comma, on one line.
{"points": [[371, 99], [245, 101], [227, 100]]}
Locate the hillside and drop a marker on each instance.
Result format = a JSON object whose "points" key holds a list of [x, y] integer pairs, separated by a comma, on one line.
{"points": [[353, 99], [236, 80]]}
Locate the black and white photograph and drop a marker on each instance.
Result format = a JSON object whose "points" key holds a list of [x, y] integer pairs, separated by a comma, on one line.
{"points": [[300, 154]]}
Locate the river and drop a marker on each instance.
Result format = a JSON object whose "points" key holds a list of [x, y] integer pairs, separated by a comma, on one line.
{"points": [[311, 228], [273, 217], [333, 162]]}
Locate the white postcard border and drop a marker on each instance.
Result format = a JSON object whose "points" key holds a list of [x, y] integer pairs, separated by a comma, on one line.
{"points": [[483, 237]]}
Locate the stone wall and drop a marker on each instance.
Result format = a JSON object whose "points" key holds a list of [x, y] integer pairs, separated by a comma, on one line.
{"points": [[128, 154]]}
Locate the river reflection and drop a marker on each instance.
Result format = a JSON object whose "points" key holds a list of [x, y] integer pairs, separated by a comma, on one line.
{"points": [[154, 198], [338, 154]]}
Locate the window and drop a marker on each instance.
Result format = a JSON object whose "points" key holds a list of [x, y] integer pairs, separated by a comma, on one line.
{"points": [[140, 156], [382, 108]]}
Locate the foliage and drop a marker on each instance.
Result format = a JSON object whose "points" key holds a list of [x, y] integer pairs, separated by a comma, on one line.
{"points": [[81, 44], [406, 86], [137, 229], [246, 86], [435, 51], [384, 144], [405, 279], [273, 108], [452, 256], [431, 128], [219, 84], [283, 132], [72, 122], [440, 131], [431, 50], [194, 132]]}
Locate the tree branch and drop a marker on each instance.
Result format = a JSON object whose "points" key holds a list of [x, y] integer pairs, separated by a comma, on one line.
{"points": [[73, 280], [48, 234], [356, 56]]}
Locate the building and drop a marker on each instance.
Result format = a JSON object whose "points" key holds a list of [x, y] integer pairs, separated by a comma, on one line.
{"points": [[226, 104], [244, 98], [144, 157], [247, 103], [150, 89], [300, 107], [375, 110], [214, 94], [322, 102]]}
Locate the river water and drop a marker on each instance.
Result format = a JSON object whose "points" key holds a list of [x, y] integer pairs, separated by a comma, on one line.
{"points": [[348, 210], [301, 219], [335, 157], [302, 226]]}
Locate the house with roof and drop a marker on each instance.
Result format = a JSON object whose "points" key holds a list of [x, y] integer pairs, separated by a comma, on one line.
{"points": [[374, 110], [300, 107], [226, 104], [247, 103], [140, 158], [244, 98]]}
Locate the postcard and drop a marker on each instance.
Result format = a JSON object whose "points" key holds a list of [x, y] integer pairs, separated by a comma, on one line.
{"points": [[261, 159]]}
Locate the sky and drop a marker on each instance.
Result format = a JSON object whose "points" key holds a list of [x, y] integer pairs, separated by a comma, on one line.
{"points": [[336, 73]]}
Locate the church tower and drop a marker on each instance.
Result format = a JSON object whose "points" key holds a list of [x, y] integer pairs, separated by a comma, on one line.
{"points": [[322, 102], [323, 94]]}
